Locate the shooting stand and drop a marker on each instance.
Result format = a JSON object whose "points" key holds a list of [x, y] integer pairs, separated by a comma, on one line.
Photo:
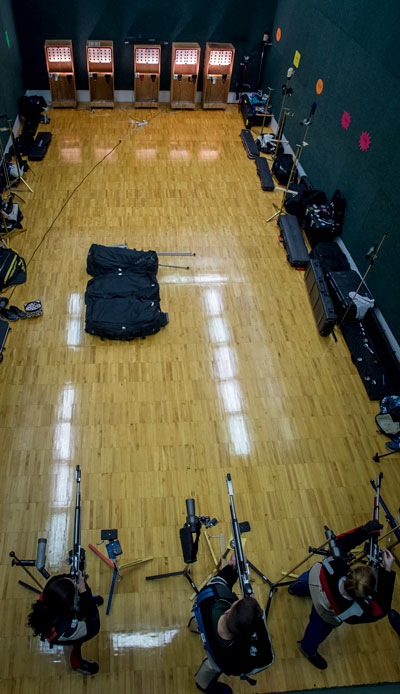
{"points": [[38, 563], [186, 571], [307, 122], [114, 550], [18, 161], [288, 574]]}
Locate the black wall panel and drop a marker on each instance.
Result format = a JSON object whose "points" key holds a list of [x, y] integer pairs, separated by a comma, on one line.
{"points": [[177, 20], [351, 46], [11, 84]]}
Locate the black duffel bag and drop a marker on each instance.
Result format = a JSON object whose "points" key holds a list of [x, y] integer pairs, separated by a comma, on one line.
{"points": [[282, 167], [121, 284], [102, 259], [123, 318]]}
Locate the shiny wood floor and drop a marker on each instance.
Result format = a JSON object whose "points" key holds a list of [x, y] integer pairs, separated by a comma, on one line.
{"points": [[239, 381]]}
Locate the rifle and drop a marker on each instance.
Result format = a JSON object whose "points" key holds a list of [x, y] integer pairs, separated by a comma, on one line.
{"points": [[237, 529], [77, 555], [374, 554]]}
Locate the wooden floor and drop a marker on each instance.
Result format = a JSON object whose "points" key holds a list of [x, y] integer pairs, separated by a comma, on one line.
{"points": [[239, 381]]}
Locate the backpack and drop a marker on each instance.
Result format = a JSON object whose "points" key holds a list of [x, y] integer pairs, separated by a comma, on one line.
{"points": [[388, 419], [12, 268], [244, 657], [297, 204]]}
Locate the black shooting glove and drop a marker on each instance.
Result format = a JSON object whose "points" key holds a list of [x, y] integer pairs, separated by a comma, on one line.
{"points": [[373, 526]]}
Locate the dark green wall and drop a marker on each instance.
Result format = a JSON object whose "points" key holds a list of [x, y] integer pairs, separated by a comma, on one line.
{"points": [[177, 20], [11, 84], [352, 46]]}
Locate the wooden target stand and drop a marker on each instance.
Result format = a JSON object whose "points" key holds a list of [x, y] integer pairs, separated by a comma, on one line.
{"points": [[218, 64], [100, 67], [147, 67], [61, 72]]}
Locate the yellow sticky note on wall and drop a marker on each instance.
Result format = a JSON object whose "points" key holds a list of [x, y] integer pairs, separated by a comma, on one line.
{"points": [[296, 59]]}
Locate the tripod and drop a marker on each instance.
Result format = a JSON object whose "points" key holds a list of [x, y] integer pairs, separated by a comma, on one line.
{"points": [[266, 110], [261, 68], [286, 91], [307, 122], [288, 574], [194, 525], [18, 159], [114, 550], [241, 84]]}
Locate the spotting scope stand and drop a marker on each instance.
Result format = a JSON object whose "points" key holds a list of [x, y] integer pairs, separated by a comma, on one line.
{"points": [[38, 563], [291, 574]]}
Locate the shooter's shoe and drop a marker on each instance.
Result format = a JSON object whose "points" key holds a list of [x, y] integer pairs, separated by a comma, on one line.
{"points": [[193, 626], [216, 688], [317, 660], [394, 619], [99, 600], [87, 667], [393, 445]]}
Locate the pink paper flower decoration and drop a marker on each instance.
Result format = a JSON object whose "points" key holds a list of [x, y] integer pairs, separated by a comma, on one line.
{"points": [[346, 118], [365, 141]]}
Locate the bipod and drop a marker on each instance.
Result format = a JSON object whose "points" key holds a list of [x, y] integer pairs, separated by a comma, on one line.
{"points": [[114, 550]]}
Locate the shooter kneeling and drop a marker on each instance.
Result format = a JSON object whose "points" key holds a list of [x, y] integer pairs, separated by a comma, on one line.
{"points": [[234, 633], [66, 615]]}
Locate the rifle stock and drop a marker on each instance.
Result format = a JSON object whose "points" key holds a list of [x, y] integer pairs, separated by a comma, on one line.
{"points": [[241, 562]]}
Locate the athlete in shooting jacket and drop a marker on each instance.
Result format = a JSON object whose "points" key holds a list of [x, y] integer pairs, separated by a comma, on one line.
{"points": [[340, 593], [234, 632], [55, 618]]}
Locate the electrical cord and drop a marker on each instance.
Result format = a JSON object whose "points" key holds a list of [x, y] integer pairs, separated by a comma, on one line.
{"points": [[137, 125]]}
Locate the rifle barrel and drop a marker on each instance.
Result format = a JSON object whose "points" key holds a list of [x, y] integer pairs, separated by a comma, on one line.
{"points": [[241, 563]]}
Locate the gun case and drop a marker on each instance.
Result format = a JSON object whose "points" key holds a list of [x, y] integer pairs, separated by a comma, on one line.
{"points": [[320, 299], [267, 182], [296, 250], [249, 144]]}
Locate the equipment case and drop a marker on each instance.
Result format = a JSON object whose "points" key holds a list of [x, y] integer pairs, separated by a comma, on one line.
{"points": [[341, 284], [320, 299]]}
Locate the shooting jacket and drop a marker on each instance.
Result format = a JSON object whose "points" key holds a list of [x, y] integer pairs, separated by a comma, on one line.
{"points": [[76, 629], [239, 656], [326, 577]]}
